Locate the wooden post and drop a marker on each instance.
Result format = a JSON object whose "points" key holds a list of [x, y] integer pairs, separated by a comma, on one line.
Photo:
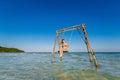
{"points": [[95, 60], [86, 41], [58, 43], [56, 38], [88, 47]]}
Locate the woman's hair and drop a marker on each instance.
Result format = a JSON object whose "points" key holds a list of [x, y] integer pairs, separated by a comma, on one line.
{"points": [[62, 41]]}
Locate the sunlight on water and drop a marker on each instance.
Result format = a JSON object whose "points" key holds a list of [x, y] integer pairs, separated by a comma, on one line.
{"points": [[75, 66]]}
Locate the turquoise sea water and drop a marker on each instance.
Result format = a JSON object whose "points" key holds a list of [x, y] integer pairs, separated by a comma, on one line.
{"points": [[74, 66]]}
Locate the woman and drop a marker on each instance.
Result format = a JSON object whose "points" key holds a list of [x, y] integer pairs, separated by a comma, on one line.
{"points": [[63, 48]]}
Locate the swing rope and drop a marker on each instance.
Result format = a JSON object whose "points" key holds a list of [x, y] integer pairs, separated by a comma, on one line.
{"points": [[70, 38], [81, 35], [61, 35]]}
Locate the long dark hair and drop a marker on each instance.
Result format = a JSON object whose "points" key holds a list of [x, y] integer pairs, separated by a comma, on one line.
{"points": [[62, 41]]}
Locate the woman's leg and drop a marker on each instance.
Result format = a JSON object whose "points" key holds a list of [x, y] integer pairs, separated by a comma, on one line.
{"points": [[61, 52]]}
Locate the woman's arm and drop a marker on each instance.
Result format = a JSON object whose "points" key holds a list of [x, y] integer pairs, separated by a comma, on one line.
{"points": [[66, 45]]}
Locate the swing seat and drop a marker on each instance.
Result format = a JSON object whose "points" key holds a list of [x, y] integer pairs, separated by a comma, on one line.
{"points": [[63, 51]]}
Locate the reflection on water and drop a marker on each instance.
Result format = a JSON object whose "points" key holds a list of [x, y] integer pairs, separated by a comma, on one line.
{"points": [[74, 66]]}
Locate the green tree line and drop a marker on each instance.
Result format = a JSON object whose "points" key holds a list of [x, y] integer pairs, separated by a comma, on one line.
{"points": [[5, 49]]}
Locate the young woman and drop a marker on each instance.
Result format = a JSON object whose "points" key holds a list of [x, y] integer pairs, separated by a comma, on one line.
{"points": [[63, 48]]}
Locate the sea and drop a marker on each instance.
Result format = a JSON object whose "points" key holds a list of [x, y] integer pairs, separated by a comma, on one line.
{"points": [[74, 66]]}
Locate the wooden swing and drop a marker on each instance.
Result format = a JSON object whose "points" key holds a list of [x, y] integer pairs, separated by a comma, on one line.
{"points": [[83, 34], [61, 37]]}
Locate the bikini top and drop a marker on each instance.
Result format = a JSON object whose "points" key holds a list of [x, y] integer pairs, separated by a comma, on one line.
{"points": [[65, 45]]}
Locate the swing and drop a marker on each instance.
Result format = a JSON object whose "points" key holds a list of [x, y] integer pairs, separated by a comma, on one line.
{"points": [[81, 28], [61, 37]]}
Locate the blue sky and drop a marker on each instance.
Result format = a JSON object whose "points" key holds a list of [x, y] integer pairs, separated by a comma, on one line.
{"points": [[30, 24]]}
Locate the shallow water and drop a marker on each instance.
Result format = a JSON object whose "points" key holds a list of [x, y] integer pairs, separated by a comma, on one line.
{"points": [[74, 66]]}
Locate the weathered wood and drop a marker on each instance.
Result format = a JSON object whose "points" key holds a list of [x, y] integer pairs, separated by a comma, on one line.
{"points": [[95, 60], [56, 38], [86, 41]]}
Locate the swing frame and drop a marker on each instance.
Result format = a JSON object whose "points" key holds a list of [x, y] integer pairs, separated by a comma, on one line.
{"points": [[81, 28]]}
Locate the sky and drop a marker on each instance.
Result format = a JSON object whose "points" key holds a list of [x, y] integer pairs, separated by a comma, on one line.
{"points": [[30, 24]]}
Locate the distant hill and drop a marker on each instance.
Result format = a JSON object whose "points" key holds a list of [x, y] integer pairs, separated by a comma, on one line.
{"points": [[5, 49]]}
